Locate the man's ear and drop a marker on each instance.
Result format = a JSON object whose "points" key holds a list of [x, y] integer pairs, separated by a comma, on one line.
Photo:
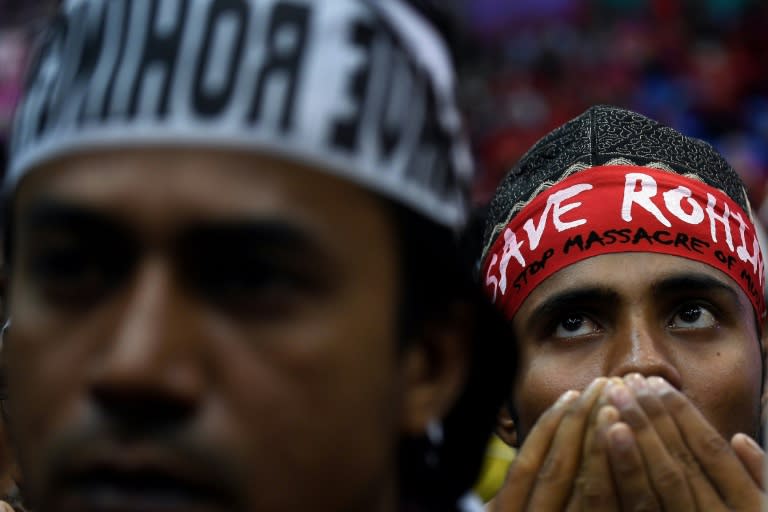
{"points": [[506, 428], [435, 364]]}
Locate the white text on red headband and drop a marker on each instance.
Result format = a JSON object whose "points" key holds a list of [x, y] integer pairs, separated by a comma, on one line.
{"points": [[622, 208]]}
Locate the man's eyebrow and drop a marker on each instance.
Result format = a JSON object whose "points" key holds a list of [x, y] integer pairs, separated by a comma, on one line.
{"points": [[54, 214], [201, 236], [692, 283], [229, 244], [570, 298], [268, 233]]}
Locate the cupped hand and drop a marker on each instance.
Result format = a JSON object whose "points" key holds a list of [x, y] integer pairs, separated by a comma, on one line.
{"points": [[542, 476], [689, 465]]}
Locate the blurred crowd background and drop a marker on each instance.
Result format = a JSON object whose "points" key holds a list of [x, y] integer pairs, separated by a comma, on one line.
{"points": [[698, 65], [20, 23]]}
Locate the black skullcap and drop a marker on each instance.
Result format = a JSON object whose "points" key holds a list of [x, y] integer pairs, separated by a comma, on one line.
{"points": [[601, 135]]}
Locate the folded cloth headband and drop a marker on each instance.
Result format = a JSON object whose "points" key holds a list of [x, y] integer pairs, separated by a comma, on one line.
{"points": [[360, 89], [618, 209]]}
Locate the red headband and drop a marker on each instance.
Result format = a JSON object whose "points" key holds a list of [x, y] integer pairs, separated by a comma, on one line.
{"points": [[622, 208]]}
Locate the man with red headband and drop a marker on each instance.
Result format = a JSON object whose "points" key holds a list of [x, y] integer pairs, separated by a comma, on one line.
{"points": [[619, 248]]}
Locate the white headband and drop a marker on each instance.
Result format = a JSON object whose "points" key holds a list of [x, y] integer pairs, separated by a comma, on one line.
{"points": [[360, 89]]}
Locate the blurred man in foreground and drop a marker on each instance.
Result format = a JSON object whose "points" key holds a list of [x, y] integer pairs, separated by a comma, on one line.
{"points": [[619, 248], [234, 282]]}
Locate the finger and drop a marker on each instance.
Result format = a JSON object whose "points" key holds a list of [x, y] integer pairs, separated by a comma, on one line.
{"points": [[556, 478], [574, 505], [602, 401], [667, 477], [586, 479], [594, 487], [633, 487], [704, 494], [525, 468], [751, 455], [724, 469]]}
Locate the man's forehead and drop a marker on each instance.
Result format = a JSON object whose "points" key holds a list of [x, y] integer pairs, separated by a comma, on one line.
{"points": [[226, 178], [162, 191]]}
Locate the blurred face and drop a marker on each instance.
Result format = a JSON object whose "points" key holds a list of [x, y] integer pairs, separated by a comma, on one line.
{"points": [[648, 313], [202, 331]]}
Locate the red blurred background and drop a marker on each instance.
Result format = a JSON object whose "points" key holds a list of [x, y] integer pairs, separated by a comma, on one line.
{"points": [[700, 66]]}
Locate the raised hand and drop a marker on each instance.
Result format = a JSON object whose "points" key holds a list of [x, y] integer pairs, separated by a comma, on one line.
{"points": [[689, 465], [542, 477]]}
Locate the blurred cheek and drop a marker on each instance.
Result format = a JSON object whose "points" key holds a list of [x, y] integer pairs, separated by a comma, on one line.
{"points": [[29, 376], [39, 399]]}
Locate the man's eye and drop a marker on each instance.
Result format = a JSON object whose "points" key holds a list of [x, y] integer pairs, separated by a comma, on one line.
{"points": [[71, 275], [573, 326], [255, 287], [248, 282], [693, 316]]}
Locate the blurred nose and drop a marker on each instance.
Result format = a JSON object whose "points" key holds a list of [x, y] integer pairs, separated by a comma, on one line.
{"points": [[149, 375], [640, 347]]}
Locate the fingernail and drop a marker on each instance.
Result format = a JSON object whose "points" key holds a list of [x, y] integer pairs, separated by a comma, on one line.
{"points": [[609, 385], [636, 382], [621, 437], [750, 442], [620, 397], [613, 382], [567, 397], [658, 385], [607, 415], [595, 384]]}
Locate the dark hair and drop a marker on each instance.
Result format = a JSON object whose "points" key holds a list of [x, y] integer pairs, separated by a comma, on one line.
{"points": [[438, 270]]}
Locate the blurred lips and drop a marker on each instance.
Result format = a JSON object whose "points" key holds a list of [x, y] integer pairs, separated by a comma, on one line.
{"points": [[139, 479]]}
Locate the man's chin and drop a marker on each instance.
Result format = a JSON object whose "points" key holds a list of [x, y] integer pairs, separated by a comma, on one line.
{"points": [[143, 476], [140, 489]]}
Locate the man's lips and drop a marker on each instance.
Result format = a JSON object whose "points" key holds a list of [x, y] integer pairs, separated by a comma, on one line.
{"points": [[139, 480]]}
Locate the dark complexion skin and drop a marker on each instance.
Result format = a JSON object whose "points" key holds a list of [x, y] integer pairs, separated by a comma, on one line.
{"points": [[684, 340], [651, 314], [211, 331]]}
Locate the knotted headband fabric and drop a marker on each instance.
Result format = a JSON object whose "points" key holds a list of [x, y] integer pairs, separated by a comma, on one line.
{"points": [[360, 89], [618, 209]]}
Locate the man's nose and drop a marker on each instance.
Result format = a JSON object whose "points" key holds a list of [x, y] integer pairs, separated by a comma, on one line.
{"points": [[149, 373], [640, 347]]}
